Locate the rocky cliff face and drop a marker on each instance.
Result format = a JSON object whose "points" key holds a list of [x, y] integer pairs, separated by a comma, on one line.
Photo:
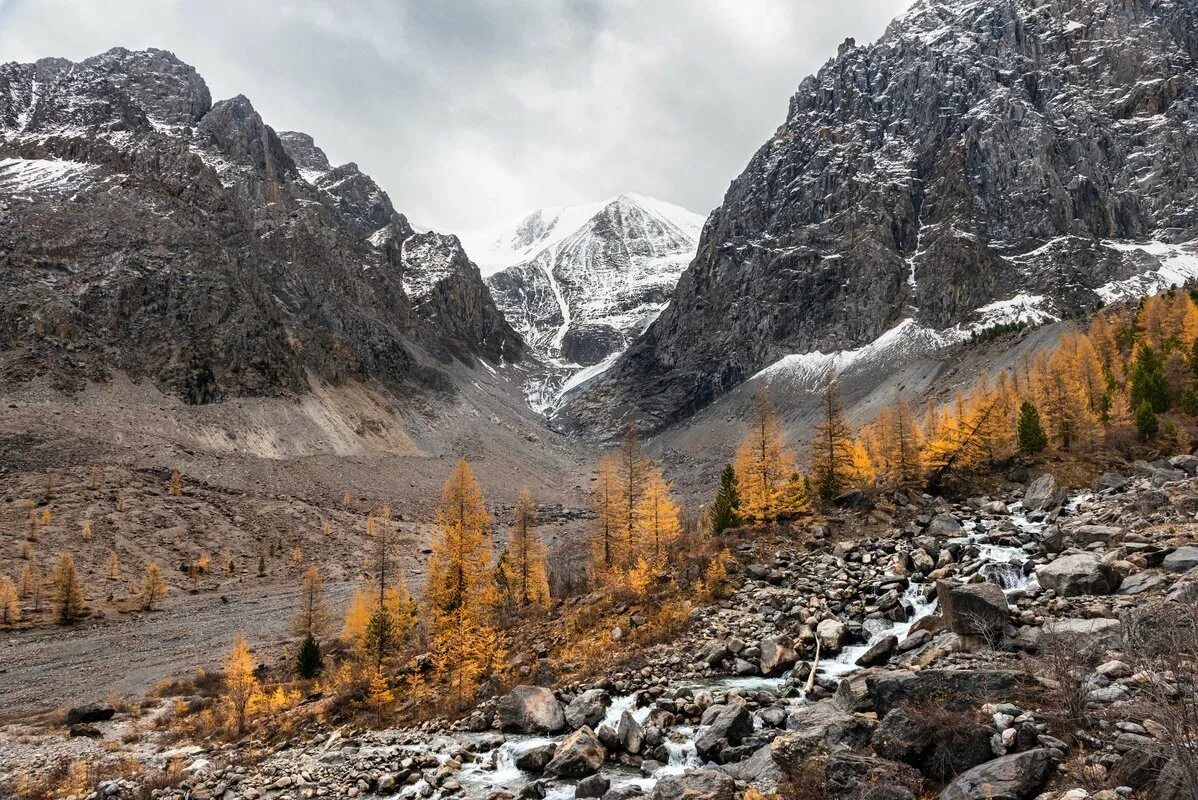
{"points": [[145, 229], [1039, 152], [580, 283]]}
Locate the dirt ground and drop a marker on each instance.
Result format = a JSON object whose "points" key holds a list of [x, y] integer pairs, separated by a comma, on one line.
{"points": [[263, 480]]}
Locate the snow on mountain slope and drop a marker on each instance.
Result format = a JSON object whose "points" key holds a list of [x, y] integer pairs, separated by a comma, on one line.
{"points": [[580, 282]]}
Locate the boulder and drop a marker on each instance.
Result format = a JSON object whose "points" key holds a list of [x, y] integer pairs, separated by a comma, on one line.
{"points": [[1183, 559], [729, 726], [578, 755], [945, 526], [860, 777], [1089, 632], [1044, 494], [1014, 777], [973, 609], [778, 654], [1140, 582], [760, 770], [588, 708], [902, 736], [93, 712], [1111, 481], [1073, 575], [537, 758], [695, 784], [592, 786], [831, 634], [629, 733], [530, 709], [879, 652], [85, 730], [953, 689]]}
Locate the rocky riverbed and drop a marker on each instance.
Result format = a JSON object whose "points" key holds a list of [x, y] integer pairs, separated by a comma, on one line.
{"points": [[900, 665]]}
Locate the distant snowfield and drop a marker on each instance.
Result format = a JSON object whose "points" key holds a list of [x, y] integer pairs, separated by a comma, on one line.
{"points": [[497, 248], [909, 340]]}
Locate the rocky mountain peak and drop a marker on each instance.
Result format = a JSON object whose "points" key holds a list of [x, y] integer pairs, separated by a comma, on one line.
{"points": [[310, 159], [580, 282], [979, 153], [147, 230]]}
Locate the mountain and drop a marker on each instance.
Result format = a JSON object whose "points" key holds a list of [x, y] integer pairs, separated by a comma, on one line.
{"points": [[145, 229], [983, 161], [580, 282]]}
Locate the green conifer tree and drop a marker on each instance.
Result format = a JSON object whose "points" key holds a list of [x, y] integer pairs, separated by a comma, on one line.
{"points": [[1032, 438], [309, 661], [727, 502], [1148, 383], [1146, 422]]}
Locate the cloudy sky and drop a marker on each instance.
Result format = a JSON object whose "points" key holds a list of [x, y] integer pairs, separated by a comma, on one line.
{"points": [[471, 112]]}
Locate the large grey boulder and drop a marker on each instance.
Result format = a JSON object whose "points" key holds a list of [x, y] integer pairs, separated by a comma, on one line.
{"points": [[1183, 559], [778, 654], [945, 526], [588, 708], [1013, 777], [1086, 632], [578, 755], [695, 784], [530, 709], [1078, 574], [973, 609], [1044, 494], [730, 724]]}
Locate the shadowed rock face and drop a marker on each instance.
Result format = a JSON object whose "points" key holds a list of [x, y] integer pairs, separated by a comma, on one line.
{"points": [[977, 151], [145, 229]]}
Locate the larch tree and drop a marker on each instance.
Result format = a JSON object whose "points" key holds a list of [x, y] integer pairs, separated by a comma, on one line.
{"points": [[312, 621], [725, 511], [379, 696], [607, 546], [657, 518], [10, 603], [832, 446], [382, 614], [153, 586], [241, 687], [763, 463], [69, 601], [29, 584], [112, 567], [524, 571], [632, 469], [459, 592]]}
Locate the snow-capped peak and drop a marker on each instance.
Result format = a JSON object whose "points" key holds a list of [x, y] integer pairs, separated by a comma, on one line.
{"points": [[522, 240], [580, 282]]}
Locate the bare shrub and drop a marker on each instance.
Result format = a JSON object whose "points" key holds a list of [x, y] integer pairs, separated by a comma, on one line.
{"points": [[1162, 643], [1066, 660]]}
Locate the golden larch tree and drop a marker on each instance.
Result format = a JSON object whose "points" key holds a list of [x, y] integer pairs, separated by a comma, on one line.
{"points": [[657, 518], [68, 598], [833, 448], [632, 469], [525, 574], [153, 586], [313, 617], [112, 567], [10, 603], [763, 463], [241, 690], [460, 591], [607, 547]]}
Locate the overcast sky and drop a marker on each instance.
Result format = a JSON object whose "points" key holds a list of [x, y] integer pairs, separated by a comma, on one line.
{"points": [[470, 113]]}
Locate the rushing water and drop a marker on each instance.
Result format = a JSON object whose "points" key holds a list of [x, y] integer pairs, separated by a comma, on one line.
{"points": [[1001, 564]]}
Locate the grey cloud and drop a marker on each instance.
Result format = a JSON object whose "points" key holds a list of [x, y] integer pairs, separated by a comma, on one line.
{"points": [[471, 112]]}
